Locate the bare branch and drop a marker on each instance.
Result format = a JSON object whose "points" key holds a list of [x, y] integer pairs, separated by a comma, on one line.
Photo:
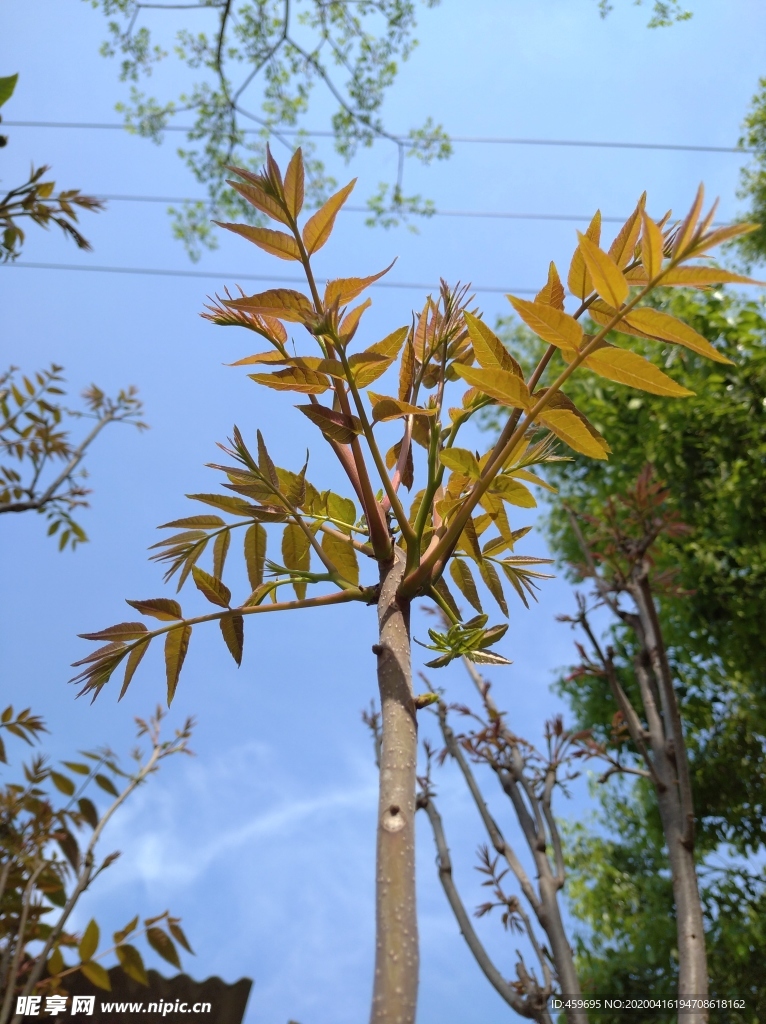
{"points": [[533, 1005]]}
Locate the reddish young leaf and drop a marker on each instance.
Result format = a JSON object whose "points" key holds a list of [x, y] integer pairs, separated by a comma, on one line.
{"points": [[281, 303], [344, 289], [176, 646], [552, 294], [579, 280], [294, 178], [214, 589], [319, 227], [276, 243], [233, 631]]}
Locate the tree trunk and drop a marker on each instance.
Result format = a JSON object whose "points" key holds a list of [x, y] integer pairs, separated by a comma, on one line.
{"points": [[674, 799], [395, 989], [561, 949], [692, 958]]}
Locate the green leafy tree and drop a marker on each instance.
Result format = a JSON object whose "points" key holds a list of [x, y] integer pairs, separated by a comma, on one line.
{"points": [[34, 436], [664, 12], [255, 66], [46, 865], [710, 451], [457, 517], [753, 179]]}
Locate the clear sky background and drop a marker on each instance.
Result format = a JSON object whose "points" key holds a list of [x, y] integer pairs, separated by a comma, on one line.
{"points": [[264, 843]]}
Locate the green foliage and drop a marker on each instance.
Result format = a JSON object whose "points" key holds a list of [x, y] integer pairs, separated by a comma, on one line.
{"points": [[34, 437], [7, 87], [664, 12], [254, 68], [620, 891], [619, 887], [48, 858], [753, 178], [710, 450]]}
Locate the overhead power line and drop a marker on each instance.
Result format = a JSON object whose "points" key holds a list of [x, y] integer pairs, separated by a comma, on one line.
{"points": [[485, 214], [477, 139], [232, 276]]}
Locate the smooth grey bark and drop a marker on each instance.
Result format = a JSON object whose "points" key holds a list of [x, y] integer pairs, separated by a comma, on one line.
{"points": [[663, 747], [395, 988], [674, 798]]}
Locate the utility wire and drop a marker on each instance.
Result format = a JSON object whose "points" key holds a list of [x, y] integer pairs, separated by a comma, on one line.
{"points": [[485, 214], [234, 276], [480, 139]]}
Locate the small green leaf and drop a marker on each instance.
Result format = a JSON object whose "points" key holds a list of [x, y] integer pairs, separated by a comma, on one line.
{"points": [[296, 554], [96, 974], [444, 592], [162, 943], [464, 580], [131, 962], [62, 783], [462, 461], [177, 932], [121, 935], [341, 510], [7, 85], [89, 941], [492, 580], [106, 784], [88, 811], [342, 555], [55, 962], [213, 588], [255, 553]]}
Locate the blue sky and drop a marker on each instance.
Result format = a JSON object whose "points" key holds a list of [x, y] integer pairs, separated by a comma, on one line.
{"points": [[264, 842]]}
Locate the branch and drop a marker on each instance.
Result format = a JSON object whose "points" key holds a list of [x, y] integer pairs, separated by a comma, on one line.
{"points": [[493, 830], [642, 595], [492, 974], [633, 722], [77, 456]]}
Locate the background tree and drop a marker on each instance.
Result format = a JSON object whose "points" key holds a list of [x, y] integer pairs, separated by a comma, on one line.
{"points": [[753, 180], [710, 451], [34, 437], [664, 12], [255, 67], [411, 550], [46, 866]]}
